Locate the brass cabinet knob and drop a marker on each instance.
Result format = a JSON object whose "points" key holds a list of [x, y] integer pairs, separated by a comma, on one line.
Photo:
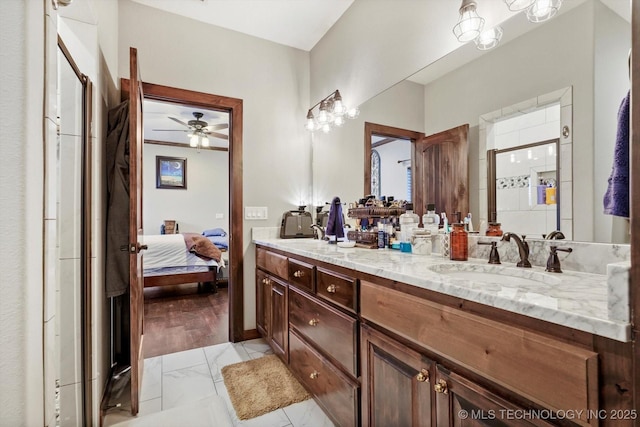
{"points": [[441, 387], [331, 288], [313, 322], [423, 376], [313, 375], [298, 273], [265, 281]]}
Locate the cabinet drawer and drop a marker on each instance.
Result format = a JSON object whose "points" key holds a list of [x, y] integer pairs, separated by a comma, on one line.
{"points": [[337, 288], [301, 275], [558, 375], [338, 395], [273, 263], [329, 329]]}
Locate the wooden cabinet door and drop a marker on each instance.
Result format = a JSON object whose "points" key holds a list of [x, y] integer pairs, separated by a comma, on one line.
{"points": [[461, 402], [263, 304], [396, 383], [279, 319]]}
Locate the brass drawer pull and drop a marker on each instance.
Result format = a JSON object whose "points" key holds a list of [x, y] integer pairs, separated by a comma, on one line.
{"points": [[331, 288], [313, 375], [298, 273], [423, 376], [441, 387], [313, 322]]}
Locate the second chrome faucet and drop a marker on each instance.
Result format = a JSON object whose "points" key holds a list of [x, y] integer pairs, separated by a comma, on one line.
{"points": [[523, 248]]}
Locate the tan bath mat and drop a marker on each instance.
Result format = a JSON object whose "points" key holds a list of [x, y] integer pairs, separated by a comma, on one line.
{"points": [[261, 385]]}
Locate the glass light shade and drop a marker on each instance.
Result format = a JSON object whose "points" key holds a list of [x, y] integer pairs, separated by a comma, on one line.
{"points": [[204, 141], [515, 5], [193, 141], [311, 124], [326, 128], [353, 112], [543, 10], [338, 107], [338, 120], [469, 25], [489, 39], [322, 115]]}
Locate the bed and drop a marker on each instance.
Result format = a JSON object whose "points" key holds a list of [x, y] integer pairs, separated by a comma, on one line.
{"points": [[168, 262]]}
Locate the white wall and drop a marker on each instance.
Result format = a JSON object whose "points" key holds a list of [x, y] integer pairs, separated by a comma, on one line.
{"points": [[195, 208], [377, 43], [393, 175], [22, 29], [271, 79]]}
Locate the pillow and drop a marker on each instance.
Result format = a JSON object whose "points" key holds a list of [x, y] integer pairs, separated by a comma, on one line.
{"points": [[214, 232]]}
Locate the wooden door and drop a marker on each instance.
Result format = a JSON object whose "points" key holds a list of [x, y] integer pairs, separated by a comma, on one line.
{"points": [[136, 283], [396, 383], [442, 171], [461, 402], [279, 320]]}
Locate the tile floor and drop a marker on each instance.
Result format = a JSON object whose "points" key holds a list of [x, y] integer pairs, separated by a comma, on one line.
{"points": [[177, 379]]}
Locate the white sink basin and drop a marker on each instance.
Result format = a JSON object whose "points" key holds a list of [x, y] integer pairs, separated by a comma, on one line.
{"points": [[496, 274]]}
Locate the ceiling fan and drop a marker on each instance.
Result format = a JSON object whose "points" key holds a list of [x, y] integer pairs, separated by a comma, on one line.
{"points": [[199, 127]]}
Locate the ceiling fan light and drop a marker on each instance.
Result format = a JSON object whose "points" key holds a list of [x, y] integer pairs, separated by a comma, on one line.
{"points": [[204, 141], [469, 24], [516, 5], [542, 10], [193, 141]]}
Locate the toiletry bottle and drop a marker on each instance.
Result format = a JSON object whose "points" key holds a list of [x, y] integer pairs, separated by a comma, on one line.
{"points": [[431, 220], [469, 223], [177, 228], [162, 229], [408, 221], [459, 242], [494, 229], [445, 222], [542, 192], [551, 195]]}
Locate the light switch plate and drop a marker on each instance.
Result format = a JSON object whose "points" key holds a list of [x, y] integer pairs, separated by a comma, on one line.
{"points": [[219, 216], [256, 213]]}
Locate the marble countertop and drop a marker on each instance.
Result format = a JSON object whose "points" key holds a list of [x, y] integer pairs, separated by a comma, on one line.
{"points": [[573, 299]]}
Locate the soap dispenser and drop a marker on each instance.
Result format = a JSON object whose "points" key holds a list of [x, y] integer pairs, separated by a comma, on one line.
{"points": [[431, 220], [408, 221]]}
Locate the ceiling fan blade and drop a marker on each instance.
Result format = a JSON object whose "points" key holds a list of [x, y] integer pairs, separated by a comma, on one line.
{"points": [[179, 121], [217, 127], [217, 135]]}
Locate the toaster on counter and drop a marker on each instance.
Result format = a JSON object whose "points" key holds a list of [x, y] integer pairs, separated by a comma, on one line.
{"points": [[296, 224]]}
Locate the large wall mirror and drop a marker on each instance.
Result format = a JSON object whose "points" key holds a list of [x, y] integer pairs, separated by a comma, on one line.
{"points": [[584, 49]]}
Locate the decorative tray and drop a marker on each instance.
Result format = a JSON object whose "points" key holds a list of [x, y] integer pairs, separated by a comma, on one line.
{"points": [[374, 212]]}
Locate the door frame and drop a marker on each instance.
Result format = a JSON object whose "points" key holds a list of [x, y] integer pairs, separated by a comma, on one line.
{"points": [[234, 107]]}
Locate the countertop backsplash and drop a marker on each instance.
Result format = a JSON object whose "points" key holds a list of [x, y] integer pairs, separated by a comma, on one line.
{"points": [[585, 257]]}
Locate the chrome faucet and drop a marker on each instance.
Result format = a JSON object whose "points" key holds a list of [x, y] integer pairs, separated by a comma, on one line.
{"points": [[556, 234], [523, 248], [316, 229]]}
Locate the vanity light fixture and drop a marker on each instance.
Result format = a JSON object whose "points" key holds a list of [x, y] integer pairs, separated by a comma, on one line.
{"points": [[542, 10], [516, 5], [469, 24], [489, 39], [331, 112]]}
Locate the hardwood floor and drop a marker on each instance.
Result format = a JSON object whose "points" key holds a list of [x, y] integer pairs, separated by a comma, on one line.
{"points": [[178, 318]]}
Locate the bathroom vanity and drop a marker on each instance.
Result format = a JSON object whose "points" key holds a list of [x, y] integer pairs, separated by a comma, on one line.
{"points": [[386, 338]]}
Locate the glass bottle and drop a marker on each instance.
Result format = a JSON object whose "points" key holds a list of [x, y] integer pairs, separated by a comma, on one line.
{"points": [[494, 229], [459, 243], [431, 220]]}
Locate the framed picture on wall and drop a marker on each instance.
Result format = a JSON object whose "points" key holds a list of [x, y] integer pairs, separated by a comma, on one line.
{"points": [[171, 172]]}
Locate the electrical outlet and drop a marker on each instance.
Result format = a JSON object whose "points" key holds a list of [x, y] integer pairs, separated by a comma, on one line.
{"points": [[219, 216]]}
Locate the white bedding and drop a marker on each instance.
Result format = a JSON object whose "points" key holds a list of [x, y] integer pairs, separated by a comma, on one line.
{"points": [[169, 250]]}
